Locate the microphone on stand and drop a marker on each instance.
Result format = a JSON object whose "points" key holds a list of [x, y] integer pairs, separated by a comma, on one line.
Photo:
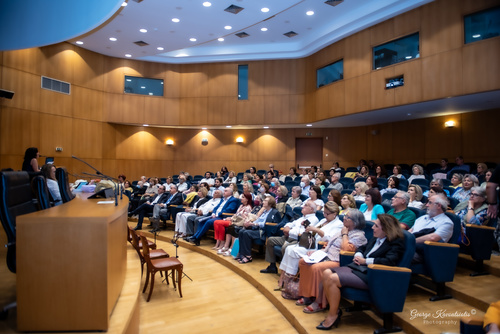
{"points": [[99, 174]]}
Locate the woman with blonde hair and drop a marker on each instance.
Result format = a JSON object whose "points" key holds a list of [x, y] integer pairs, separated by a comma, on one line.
{"points": [[415, 193], [347, 202], [359, 191]]}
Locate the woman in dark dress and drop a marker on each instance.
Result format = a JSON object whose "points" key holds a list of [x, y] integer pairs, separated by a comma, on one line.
{"points": [[386, 248], [30, 163]]}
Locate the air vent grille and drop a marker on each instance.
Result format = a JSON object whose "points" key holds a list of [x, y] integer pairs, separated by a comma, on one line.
{"points": [[234, 9], [290, 34], [242, 34], [141, 43], [56, 85], [334, 2]]}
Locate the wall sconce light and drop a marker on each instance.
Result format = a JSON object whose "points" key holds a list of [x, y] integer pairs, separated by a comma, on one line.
{"points": [[240, 140], [169, 142], [204, 141], [449, 124]]}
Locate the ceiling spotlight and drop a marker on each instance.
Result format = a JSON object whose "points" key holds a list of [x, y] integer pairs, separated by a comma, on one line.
{"points": [[79, 42], [309, 125], [124, 4], [182, 55], [220, 39], [113, 39], [228, 126], [160, 48], [128, 55], [176, 20], [228, 27], [207, 4], [263, 29], [143, 30], [192, 39], [310, 12], [145, 125], [264, 10], [266, 127]]}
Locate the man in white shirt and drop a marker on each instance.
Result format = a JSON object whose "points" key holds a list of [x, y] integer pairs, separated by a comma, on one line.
{"points": [[208, 179], [291, 233], [203, 213], [182, 185]]}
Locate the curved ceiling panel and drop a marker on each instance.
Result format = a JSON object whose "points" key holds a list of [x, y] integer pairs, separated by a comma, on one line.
{"points": [[33, 23]]}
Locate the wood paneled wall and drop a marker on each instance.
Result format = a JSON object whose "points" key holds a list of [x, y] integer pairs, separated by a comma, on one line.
{"points": [[86, 123]]}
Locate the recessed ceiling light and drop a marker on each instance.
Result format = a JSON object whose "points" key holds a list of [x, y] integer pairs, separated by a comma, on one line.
{"points": [[176, 20], [228, 126], [228, 27], [79, 42], [220, 39], [264, 10], [128, 55], [408, 57], [309, 125], [192, 39], [145, 125], [182, 55], [263, 29], [124, 4], [476, 36], [266, 127], [310, 12], [207, 4], [160, 48], [113, 39], [143, 30], [203, 128]]}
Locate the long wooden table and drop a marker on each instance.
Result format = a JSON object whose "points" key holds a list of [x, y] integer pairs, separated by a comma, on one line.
{"points": [[71, 263]]}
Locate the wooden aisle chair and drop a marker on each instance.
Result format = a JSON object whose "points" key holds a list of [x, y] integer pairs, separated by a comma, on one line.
{"points": [[161, 264], [153, 253]]}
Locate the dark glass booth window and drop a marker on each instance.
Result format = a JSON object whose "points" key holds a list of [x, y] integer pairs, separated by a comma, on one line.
{"points": [[482, 25], [330, 73], [143, 86], [396, 51]]}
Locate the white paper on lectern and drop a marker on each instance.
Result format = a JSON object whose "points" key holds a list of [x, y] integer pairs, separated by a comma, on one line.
{"points": [[106, 202]]}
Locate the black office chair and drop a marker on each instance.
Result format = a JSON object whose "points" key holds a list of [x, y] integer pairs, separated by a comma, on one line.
{"points": [[63, 181], [41, 192], [15, 199]]}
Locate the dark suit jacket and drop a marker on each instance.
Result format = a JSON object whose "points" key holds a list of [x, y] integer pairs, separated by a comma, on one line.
{"points": [[163, 198], [177, 199], [230, 206], [389, 254]]}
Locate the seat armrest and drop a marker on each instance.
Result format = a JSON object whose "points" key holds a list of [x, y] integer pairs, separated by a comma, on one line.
{"points": [[388, 268], [388, 287], [346, 257], [483, 227], [271, 224]]}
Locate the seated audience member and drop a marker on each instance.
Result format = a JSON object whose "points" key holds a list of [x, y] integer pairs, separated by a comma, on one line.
{"points": [[400, 211], [334, 195], [181, 217], [349, 238], [444, 165], [371, 182], [456, 181], [191, 193], [295, 201], [208, 179], [145, 182], [347, 202], [217, 186], [121, 180], [247, 178], [359, 191], [257, 178], [273, 186], [292, 172], [481, 172], [363, 173], [148, 206], [362, 162], [418, 173], [281, 195], [152, 189], [459, 161], [291, 233], [252, 171], [272, 170], [371, 208], [248, 189], [487, 177], [252, 230], [168, 181], [434, 226], [436, 183], [334, 182], [321, 181], [174, 198], [264, 188], [397, 172], [324, 230], [229, 204], [224, 172], [202, 214], [221, 224], [476, 211], [234, 187], [231, 177], [386, 247], [392, 186], [415, 193], [380, 171], [463, 193], [336, 167], [305, 184], [182, 185], [218, 175], [49, 172], [127, 186], [269, 176], [491, 320], [315, 196]]}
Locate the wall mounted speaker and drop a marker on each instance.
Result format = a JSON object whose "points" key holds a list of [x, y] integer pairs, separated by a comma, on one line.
{"points": [[7, 94]]}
